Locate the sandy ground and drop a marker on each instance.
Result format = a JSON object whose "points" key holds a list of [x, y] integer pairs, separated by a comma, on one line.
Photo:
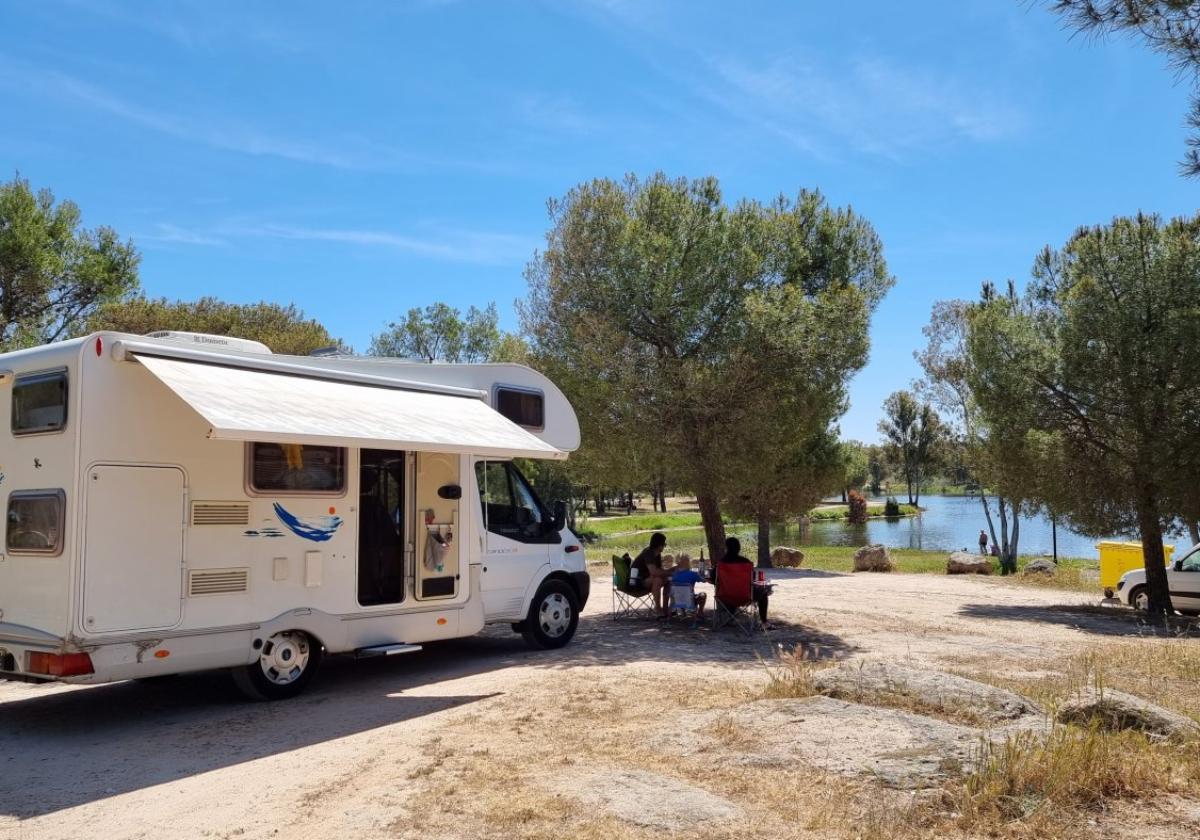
{"points": [[375, 746]]}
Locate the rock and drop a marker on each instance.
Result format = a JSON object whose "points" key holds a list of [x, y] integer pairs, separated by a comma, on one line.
{"points": [[644, 798], [1116, 710], [1040, 567], [873, 558], [881, 683], [899, 749], [965, 563], [787, 558]]}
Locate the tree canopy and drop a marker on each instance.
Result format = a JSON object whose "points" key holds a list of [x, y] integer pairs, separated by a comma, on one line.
{"points": [[282, 328], [712, 339], [54, 273], [440, 333], [912, 432], [1096, 370], [1169, 27]]}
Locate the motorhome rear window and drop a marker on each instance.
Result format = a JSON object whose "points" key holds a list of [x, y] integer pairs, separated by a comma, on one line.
{"points": [[295, 468], [522, 406], [35, 522], [39, 402]]}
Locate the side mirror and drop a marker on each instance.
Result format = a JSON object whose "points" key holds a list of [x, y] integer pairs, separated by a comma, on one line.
{"points": [[560, 515]]}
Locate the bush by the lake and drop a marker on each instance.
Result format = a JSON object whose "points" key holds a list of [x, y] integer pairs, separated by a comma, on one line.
{"points": [[891, 507], [858, 508]]}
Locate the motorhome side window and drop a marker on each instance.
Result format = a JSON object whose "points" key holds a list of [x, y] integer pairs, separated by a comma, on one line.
{"points": [[39, 403], [35, 522], [523, 407], [509, 504], [296, 468]]}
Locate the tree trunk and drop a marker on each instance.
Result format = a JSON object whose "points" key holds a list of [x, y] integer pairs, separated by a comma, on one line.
{"points": [[987, 513], [714, 528], [662, 495], [1003, 536], [1016, 536], [844, 500], [1152, 554], [1193, 532], [764, 540]]}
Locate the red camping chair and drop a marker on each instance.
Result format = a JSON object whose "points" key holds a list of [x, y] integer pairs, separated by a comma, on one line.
{"points": [[735, 597]]}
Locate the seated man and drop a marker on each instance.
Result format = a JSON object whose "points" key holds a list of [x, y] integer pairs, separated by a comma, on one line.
{"points": [[685, 577], [651, 574]]}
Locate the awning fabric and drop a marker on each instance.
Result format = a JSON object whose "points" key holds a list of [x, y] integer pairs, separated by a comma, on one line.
{"points": [[242, 404]]}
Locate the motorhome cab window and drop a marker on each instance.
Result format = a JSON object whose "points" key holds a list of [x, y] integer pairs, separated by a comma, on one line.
{"points": [[296, 468], [39, 403], [511, 508], [35, 522], [523, 407]]}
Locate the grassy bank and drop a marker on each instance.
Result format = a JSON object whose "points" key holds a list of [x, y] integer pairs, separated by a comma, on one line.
{"points": [[839, 512], [620, 524]]}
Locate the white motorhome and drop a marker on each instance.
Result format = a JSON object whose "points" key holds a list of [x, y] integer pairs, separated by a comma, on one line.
{"points": [[181, 502]]}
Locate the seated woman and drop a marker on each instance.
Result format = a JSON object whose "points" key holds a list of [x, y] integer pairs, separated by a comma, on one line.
{"points": [[650, 572], [684, 577], [733, 554]]}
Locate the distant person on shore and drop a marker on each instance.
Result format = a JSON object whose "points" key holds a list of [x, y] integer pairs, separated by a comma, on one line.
{"points": [[995, 550], [983, 541]]}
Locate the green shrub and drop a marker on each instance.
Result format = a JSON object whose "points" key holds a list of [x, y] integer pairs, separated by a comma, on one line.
{"points": [[891, 507]]}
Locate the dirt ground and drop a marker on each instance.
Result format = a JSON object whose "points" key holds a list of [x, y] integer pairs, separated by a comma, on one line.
{"points": [[481, 737]]}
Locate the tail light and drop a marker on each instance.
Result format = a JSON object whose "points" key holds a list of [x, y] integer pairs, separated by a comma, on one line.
{"points": [[60, 664]]}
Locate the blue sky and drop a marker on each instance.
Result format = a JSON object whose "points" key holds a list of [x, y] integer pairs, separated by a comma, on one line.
{"points": [[359, 159]]}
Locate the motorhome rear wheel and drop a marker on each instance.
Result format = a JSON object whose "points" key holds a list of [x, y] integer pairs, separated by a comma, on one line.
{"points": [[286, 664]]}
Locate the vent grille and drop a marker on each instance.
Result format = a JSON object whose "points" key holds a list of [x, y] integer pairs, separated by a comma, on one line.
{"points": [[218, 581], [220, 513]]}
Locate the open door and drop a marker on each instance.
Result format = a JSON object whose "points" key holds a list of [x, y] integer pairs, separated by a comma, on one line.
{"points": [[133, 548], [381, 527]]}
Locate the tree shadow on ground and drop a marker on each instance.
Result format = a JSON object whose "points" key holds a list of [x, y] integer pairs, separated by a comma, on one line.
{"points": [[1102, 621]]}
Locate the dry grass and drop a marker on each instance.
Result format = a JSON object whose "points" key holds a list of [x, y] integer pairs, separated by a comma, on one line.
{"points": [[1037, 784]]}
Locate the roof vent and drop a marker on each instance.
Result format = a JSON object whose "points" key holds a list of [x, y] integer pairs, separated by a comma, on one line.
{"points": [[216, 342]]}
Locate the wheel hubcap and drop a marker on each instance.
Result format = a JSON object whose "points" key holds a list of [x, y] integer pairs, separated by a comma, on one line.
{"points": [[284, 657], [1141, 601], [554, 616]]}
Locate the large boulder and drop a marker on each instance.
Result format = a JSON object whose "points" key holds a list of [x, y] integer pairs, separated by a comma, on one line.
{"points": [[886, 684], [1040, 566], [873, 558], [786, 558], [965, 563], [1116, 710]]}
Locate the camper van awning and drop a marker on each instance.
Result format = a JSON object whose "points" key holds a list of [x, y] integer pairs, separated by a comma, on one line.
{"points": [[241, 404]]}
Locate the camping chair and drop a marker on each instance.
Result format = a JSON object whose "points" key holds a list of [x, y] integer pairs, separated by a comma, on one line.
{"points": [[628, 602], [734, 603], [683, 601]]}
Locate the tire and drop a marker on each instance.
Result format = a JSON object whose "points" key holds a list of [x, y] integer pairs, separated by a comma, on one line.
{"points": [[286, 664], [1139, 598], [553, 616]]}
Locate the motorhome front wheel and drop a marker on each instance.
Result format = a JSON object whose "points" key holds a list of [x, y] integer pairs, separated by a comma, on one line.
{"points": [[286, 663], [553, 616]]}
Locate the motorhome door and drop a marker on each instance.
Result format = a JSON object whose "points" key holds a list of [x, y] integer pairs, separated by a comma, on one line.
{"points": [[517, 535], [133, 548]]}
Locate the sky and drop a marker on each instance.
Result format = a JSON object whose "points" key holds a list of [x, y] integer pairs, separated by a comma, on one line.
{"points": [[359, 159]]}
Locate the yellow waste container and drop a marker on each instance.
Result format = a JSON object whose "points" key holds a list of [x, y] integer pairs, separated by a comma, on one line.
{"points": [[1117, 558]]}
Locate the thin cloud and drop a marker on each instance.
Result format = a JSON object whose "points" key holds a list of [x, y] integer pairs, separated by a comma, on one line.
{"points": [[875, 106], [448, 245], [349, 152], [168, 233]]}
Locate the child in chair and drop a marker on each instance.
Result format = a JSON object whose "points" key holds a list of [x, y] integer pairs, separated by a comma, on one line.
{"points": [[685, 577]]}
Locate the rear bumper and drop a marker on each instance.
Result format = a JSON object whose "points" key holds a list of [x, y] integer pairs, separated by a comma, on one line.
{"points": [[582, 584]]}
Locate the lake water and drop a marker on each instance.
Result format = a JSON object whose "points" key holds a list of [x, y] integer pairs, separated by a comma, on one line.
{"points": [[947, 523]]}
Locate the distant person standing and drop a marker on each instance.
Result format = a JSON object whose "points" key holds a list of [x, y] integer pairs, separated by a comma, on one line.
{"points": [[983, 542]]}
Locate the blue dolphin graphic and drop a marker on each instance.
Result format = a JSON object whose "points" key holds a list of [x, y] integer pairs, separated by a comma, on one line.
{"points": [[315, 528]]}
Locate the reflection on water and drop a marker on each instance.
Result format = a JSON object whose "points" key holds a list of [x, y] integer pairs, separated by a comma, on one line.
{"points": [[948, 523]]}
